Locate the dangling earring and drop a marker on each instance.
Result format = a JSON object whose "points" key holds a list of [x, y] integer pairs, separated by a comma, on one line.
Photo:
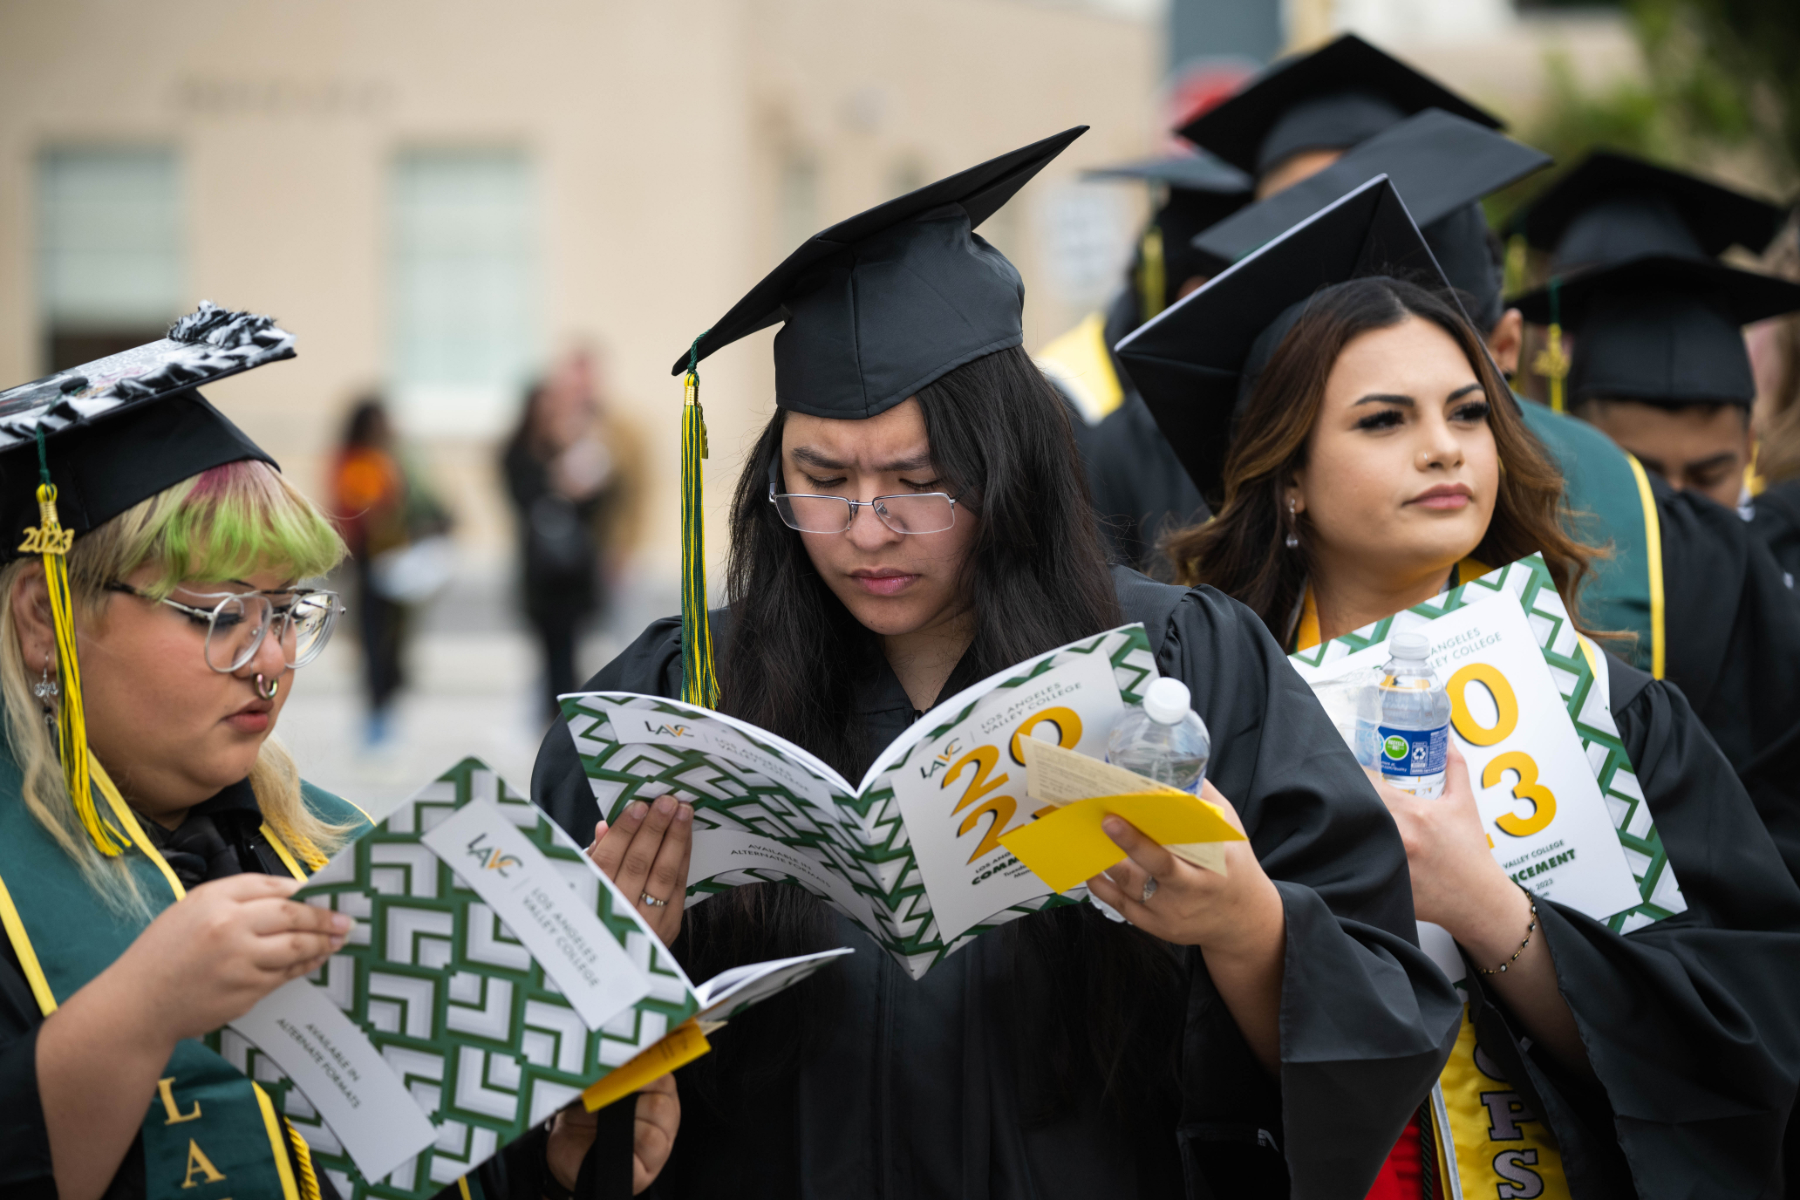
{"points": [[1293, 538], [46, 689]]}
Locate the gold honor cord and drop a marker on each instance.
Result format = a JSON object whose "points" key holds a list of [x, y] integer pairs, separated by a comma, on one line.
{"points": [[698, 683], [52, 541], [1552, 363], [1153, 281]]}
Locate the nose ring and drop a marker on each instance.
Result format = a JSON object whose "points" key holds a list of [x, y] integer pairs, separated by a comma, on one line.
{"points": [[267, 693]]}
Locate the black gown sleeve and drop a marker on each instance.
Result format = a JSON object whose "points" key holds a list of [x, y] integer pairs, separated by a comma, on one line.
{"points": [[1777, 523], [1734, 650], [1689, 1024], [1367, 1020], [24, 1139], [651, 665]]}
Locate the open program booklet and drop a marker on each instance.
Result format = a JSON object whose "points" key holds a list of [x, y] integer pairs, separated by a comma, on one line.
{"points": [[911, 853], [492, 977]]}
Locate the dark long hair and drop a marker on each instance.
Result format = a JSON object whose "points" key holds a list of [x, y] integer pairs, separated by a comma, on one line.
{"points": [[1242, 551], [1035, 578]]}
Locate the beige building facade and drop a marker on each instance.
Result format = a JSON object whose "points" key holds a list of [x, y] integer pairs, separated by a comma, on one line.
{"points": [[437, 197]]}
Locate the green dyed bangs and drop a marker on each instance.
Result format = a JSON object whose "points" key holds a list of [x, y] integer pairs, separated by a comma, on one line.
{"points": [[227, 523]]}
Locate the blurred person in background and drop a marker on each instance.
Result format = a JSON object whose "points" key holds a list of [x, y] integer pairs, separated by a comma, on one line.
{"points": [[566, 471], [1775, 417], [397, 532]]}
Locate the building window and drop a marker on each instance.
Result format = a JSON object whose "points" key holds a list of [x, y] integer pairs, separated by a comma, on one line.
{"points": [[109, 250], [464, 289]]}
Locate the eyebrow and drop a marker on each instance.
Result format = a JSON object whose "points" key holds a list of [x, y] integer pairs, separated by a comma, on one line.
{"points": [[1717, 460], [1408, 401], [816, 458]]}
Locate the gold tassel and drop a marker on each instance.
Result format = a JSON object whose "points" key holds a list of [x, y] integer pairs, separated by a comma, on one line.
{"points": [[1551, 362], [698, 683], [52, 541], [308, 1181], [1153, 281]]}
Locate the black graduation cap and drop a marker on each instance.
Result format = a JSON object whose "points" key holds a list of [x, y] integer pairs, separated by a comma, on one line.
{"points": [[880, 305], [121, 429], [1196, 363], [1663, 329], [1440, 162], [1612, 207], [1194, 172], [1330, 99]]}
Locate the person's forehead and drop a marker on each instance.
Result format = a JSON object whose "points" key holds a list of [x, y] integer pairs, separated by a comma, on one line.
{"points": [[1415, 352], [897, 432]]}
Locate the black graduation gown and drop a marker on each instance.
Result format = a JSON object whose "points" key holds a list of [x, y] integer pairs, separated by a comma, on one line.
{"points": [[1777, 523], [1733, 635], [222, 837], [1141, 491], [1690, 1024], [914, 1088]]}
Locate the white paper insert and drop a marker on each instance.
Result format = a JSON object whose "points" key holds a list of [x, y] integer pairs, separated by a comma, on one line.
{"points": [[341, 1074], [490, 855]]}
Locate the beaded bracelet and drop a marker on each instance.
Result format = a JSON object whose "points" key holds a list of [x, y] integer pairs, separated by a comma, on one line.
{"points": [[1529, 930]]}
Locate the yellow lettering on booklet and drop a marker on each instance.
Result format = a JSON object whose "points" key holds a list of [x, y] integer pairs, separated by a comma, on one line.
{"points": [[1068, 847], [1501, 1148], [166, 1089], [198, 1163], [679, 1047]]}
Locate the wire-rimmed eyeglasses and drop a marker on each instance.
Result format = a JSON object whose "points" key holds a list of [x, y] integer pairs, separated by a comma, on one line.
{"points": [[904, 512], [236, 625]]}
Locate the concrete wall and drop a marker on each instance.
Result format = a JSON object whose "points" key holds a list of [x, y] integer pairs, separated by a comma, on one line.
{"points": [[657, 132]]}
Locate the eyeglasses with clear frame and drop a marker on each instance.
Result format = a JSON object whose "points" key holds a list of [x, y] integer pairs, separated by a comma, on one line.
{"points": [[237, 624], [903, 512]]}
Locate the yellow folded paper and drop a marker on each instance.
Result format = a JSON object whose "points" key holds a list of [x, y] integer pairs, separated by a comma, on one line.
{"points": [[677, 1048], [1067, 847]]}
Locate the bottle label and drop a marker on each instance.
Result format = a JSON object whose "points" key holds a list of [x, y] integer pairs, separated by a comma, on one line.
{"points": [[1408, 753]]}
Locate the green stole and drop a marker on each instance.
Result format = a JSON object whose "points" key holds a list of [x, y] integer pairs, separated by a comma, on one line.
{"points": [[210, 1133], [1612, 503]]}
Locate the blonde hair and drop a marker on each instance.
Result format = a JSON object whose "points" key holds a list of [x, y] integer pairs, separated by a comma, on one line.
{"points": [[223, 523]]}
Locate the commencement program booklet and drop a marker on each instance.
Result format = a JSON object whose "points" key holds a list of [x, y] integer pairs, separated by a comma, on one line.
{"points": [[1530, 711], [911, 852], [492, 977]]}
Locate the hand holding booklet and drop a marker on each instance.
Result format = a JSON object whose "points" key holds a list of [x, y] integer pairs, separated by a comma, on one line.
{"points": [[922, 853], [492, 977]]}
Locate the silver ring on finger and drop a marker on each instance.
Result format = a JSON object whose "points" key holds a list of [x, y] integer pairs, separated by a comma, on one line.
{"points": [[1149, 889], [649, 901]]}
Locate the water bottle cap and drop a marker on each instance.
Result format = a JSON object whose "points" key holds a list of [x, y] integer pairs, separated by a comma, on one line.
{"points": [[1166, 701], [1411, 646]]}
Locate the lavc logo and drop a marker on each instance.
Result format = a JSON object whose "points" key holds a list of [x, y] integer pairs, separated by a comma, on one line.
{"points": [[491, 858], [677, 731], [942, 760]]}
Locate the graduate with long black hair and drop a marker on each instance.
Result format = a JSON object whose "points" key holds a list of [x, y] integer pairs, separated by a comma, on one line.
{"points": [[1370, 457], [912, 519]]}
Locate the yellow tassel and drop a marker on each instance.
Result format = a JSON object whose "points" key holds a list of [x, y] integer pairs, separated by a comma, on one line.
{"points": [[309, 1179], [52, 541], [1552, 363], [1152, 273], [698, 683]]}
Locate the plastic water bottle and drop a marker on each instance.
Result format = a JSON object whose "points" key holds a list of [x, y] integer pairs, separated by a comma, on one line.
{"points": [[1403, 719], [1165, 740]]}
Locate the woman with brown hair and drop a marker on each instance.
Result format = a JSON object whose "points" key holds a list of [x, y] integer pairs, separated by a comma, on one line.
{"points": [[1378, 460]]}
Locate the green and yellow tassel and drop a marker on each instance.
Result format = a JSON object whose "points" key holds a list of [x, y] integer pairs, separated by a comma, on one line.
{"points": [[1152, 280], [1551, 362], [698, 683], [52, 541]]}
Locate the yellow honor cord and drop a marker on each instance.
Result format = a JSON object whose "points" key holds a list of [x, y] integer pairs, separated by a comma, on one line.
{"points": [[1552, 363], [52, 541], [699, 685]]}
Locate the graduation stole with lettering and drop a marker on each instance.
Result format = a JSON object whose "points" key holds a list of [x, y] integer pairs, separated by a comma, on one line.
{"points": [[1487, 1141], [209, 1133]]}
